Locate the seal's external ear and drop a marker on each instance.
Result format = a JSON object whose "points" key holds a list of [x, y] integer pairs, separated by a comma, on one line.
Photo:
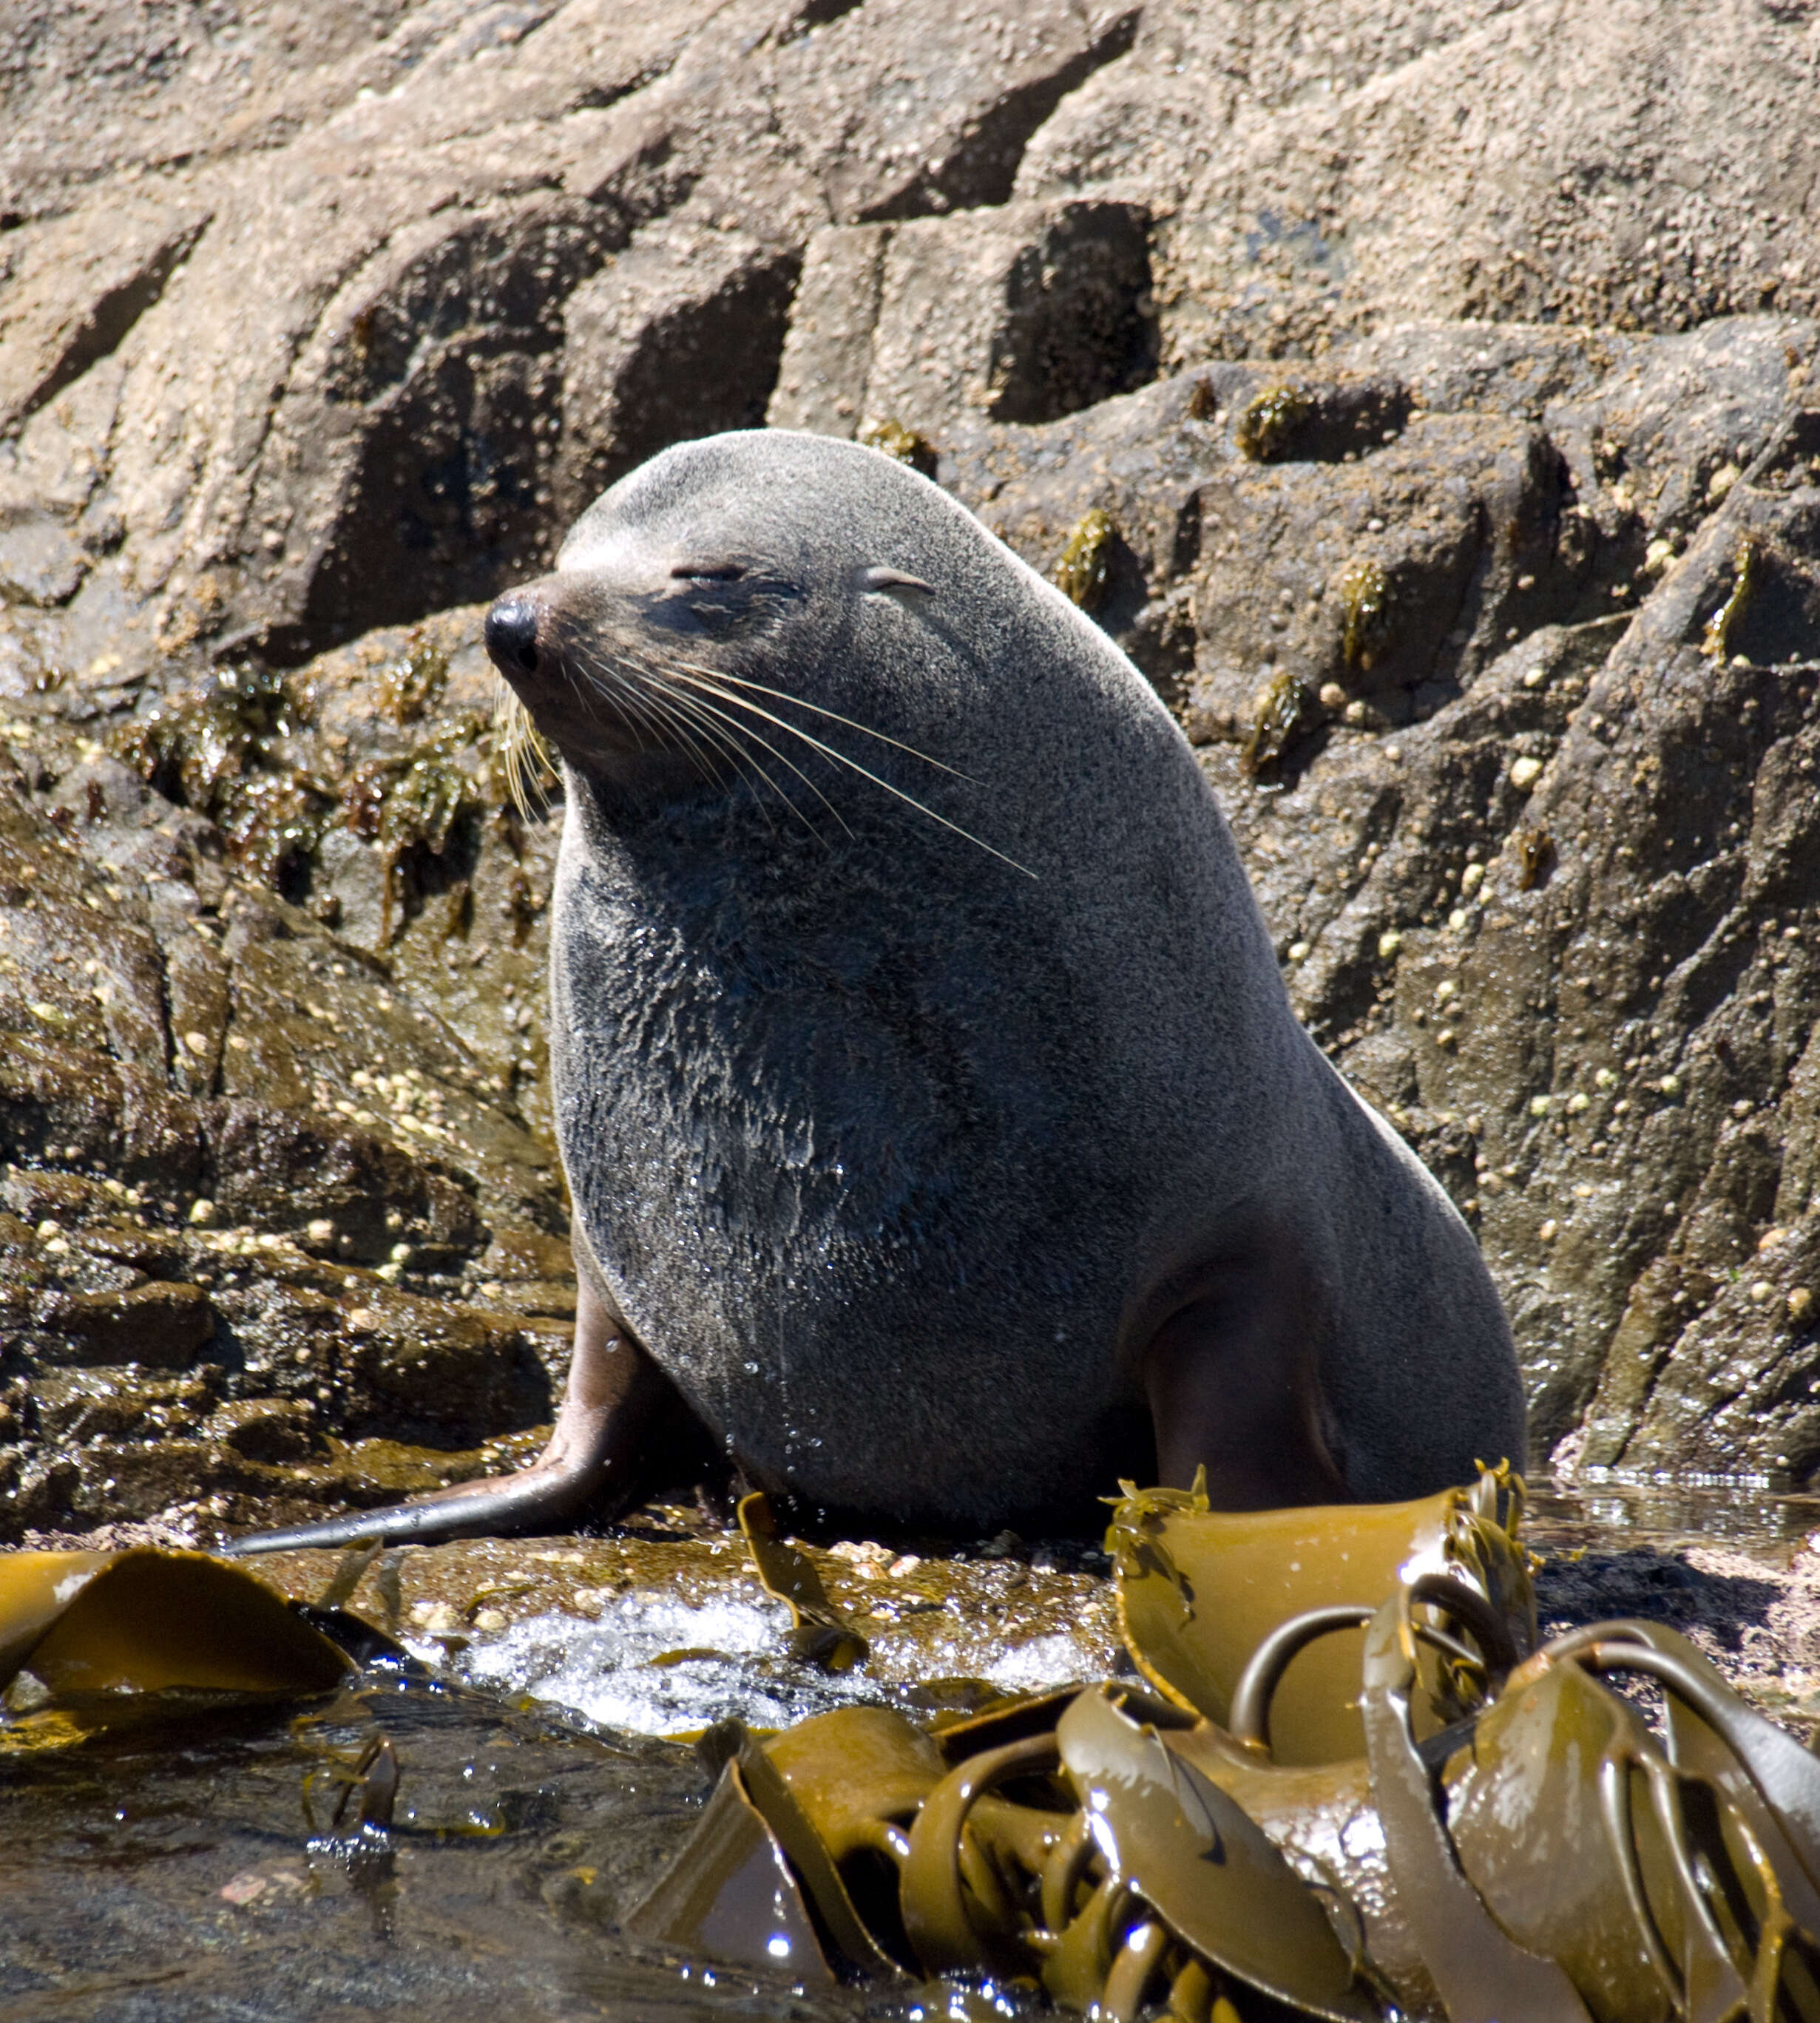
{"points": [[879, 577]]}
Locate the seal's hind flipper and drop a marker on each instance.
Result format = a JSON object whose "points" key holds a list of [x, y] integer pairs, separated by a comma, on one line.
{"points": [[598, 1457], [533, 1500]]}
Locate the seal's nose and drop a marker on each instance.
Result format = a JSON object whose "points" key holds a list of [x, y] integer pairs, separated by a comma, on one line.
{"points": [[511, 636]]}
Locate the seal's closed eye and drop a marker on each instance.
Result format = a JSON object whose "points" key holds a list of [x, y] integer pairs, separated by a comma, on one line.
{"points": [[879, 577], [708, 572]]}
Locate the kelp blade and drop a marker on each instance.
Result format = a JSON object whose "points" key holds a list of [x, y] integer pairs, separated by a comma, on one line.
{"points": [[1199, 1589], [788, 1574], [1182, 1844], [729, 1895], [151, 1620], [36, 1588]]}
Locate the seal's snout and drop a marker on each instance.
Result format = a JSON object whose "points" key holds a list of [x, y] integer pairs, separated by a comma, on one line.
{"points": [[512, 635]]}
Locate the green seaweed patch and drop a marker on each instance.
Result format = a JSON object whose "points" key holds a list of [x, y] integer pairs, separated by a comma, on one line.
{"points": [[1085, 570], [413, 808], [1720, 626], [1134, 1538], [216, 750], [1284, 714], [229, 751], [410, 684], [1365, 605], [272, 822], [904, 445], [1266, 429], [408, 803], [195, 746]]}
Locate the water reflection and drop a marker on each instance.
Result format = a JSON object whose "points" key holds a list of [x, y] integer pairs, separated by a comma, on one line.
{"points": [[1609, 1517]]}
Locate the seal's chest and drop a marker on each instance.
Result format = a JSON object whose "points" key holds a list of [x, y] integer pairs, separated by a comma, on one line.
{"points": [[800, 1030]]}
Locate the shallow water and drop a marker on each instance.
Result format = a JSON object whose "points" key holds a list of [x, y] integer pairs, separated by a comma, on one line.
{"points": [[174, 1871], [185, 1870], [649, 1665], [1620, 1516]]}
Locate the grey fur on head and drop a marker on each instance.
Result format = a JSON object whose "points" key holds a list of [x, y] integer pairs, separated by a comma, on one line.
{"points": [[899, 1098]]}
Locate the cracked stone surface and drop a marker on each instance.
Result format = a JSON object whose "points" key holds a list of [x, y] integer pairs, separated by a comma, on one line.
{"points": [[1429, 390]]}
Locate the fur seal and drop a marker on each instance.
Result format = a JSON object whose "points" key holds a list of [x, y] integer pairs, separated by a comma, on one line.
{"points": [[936, 1118]]}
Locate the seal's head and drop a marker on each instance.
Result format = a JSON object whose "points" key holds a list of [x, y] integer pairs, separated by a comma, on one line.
{"points": [[652, 654]]}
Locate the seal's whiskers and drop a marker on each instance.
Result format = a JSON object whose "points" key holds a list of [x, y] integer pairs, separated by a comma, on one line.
{"points": [[649, 706], [840, 758], [657, 709], [690, 705], [737, 730], [637, 703], [713, 725], [525, 758], [730, 736], [833, 715]]}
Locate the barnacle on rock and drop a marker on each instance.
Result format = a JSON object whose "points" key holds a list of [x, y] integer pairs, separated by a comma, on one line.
{"points": [[1084, 570], [1266, 431], [905, 444], [1365, 604], [1283, 715]]}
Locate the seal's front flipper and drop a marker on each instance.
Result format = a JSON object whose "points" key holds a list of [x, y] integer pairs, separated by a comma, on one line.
{"points": [[1231, 1387], [614, 1411]]}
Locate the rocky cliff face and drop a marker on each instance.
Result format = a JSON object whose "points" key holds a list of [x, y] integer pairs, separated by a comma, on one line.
{"points": [[1420, 395]]}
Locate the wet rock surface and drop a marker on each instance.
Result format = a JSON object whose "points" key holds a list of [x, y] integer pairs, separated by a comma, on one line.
{"points": [[281, 1217], [1500, 638], [661, 1626]]}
